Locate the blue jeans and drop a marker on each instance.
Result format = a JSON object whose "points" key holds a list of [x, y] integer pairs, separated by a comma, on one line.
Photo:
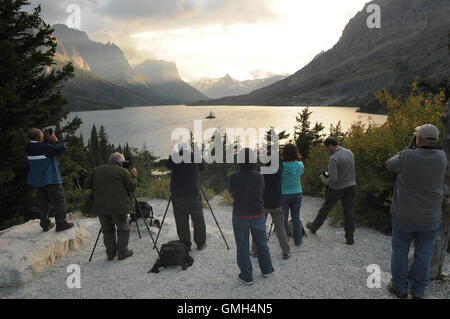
{"points": [[242, 229], [292, 202], [424, 239]]}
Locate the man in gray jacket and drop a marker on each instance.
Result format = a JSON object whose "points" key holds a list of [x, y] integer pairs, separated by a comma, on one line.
{"points": [[341, 184], [416, 209]]}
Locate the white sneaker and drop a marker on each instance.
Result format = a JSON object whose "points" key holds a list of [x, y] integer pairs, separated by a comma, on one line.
{"points": [[246, 282], [269, 274]]}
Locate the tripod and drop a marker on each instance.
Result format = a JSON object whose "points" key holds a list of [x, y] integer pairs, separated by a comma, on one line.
{"points": [[137, 226], [207, 202], [301, 224]]}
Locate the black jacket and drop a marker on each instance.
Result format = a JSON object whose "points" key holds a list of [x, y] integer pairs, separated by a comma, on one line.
{"points": [[247, 187], [272, 192], [185, 179]]}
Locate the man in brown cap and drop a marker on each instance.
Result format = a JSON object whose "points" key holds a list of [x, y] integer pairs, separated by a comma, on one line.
{"points": [[416, 209]]}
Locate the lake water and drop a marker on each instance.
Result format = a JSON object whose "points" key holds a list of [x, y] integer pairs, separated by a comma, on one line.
{"points": [[154, 124]]}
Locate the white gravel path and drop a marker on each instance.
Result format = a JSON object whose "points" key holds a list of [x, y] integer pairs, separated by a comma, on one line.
{"points": [[322, 267]]}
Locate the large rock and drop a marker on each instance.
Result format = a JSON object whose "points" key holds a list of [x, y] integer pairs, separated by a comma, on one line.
{"points": [[25, 250]]}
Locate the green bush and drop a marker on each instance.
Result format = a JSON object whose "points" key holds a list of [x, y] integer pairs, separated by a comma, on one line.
{"points": [[372, 145], [317, 162], [226, 198], [156, 188]]}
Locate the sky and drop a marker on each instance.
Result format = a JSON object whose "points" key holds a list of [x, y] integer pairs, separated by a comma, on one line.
{"points": [[247, 39]]}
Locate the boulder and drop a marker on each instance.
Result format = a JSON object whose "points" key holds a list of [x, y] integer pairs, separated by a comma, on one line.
{"points": [[25, 250]]}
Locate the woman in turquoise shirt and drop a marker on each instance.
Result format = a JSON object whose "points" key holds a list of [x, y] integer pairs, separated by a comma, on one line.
{"points": [[291, 190]]}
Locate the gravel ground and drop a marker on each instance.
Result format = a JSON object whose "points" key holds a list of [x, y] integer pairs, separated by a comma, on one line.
{"points": [[322, 267]]}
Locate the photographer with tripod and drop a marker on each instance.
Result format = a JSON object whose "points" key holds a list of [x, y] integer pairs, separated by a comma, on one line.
{"points": [[185, 196], [112, 187]]}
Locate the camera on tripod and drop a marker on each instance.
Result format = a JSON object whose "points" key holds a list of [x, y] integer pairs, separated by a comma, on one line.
{"points": [[127, 164]]}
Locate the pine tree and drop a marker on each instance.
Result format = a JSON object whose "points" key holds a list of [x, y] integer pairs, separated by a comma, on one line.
{"points": [[104, 150], [93, 149], [30, 96], [127, 153], [306, 137], [337, 132], [268, 140]]}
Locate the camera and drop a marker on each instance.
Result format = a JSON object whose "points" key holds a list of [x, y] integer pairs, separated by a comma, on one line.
{"points": [[50, 131], [127, 164], [325, 173]]}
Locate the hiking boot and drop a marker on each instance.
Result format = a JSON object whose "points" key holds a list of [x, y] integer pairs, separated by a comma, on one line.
{"points": [[310, 226], [127, 254], [350, 241], [202, 246], [49, 226], [395, 292], [111, 257], [414, 296], [245, 281], [63, 226], [286, 256], [268, 274]]}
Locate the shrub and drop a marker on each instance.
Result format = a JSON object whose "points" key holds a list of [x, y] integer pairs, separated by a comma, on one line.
{"points": [[372, 145], [226, 198]]}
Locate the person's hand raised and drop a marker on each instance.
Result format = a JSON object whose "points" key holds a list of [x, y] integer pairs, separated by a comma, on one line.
{"points": [[52, 138]]}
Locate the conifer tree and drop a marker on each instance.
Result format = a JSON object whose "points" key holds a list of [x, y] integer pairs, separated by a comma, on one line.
{"points": [[93, 149], [103, 146], [30, 96], [306, 137]]}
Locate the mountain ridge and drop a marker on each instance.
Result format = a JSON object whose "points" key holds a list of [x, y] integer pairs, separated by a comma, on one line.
{"points": [[105, 67], [412, 42], [227, 86]]}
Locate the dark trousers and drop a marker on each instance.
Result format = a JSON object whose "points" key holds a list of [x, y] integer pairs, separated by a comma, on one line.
{"points": [[183, 207], [346, 195], [54, 195], [109, 224]]}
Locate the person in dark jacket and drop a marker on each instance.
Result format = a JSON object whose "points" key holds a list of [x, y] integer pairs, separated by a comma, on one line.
{"points": [[246, 187], [272, 205], [186, 198], [112, 186], [46, 176]]}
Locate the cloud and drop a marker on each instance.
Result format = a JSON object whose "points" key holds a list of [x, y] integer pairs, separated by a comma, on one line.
{"points": [[159, 14], [210, 38]]}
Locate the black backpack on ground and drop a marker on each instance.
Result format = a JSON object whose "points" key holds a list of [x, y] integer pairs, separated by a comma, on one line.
{"points": [[173, 253]]}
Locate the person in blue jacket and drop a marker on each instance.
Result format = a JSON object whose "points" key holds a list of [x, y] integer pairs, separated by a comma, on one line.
{"points": [[291, 190], [46, 176]]}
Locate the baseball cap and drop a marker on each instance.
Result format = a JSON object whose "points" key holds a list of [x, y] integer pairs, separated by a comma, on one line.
{"points": [[428, 132]]}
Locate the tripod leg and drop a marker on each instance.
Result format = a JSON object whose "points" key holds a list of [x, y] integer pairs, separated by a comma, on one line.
{"points": [[145, 222], [151, 236], [217, 223], [303, 230], [99, 232], [270, 231], [137, 226], [162, 223]]}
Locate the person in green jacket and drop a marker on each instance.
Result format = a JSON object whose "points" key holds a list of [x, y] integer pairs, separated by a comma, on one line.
{"points": [[112, 186]]}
